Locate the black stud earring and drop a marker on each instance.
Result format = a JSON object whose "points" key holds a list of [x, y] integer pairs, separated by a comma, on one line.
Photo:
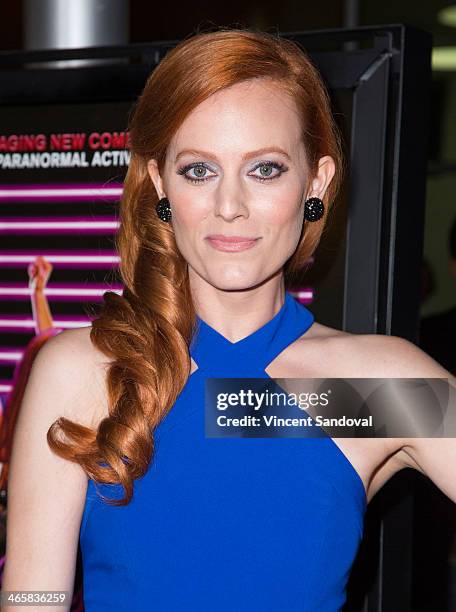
{"points": [[313, 209], [163, 209]]}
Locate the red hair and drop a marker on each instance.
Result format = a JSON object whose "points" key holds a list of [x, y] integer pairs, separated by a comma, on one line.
{"points": [[147, 330]]}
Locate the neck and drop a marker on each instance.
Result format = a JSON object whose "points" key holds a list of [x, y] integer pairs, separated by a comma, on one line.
{"points": [[237, 313]]}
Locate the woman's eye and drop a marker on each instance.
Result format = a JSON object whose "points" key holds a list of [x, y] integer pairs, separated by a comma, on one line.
{"points": [[266, 170], [199, 173]]}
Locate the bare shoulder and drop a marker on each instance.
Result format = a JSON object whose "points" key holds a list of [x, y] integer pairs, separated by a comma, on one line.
{"points": [[318, 331], [305, 357], [75, 340], [80, 370], [345, 354], [383, 356]]}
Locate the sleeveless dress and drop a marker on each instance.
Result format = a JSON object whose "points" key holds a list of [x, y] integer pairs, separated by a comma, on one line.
{"points": [[225, 524]]}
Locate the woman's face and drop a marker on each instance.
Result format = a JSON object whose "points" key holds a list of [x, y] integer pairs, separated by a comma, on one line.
{"points": [[237, 167]]}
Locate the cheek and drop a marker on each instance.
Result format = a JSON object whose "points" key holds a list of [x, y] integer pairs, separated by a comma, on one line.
{"points": [[280, 196], [283, 211], [283, 222], [188, 210], [188, 214]]}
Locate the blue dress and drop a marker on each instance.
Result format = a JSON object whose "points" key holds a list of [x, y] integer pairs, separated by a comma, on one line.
{"points": [[245, 524]]}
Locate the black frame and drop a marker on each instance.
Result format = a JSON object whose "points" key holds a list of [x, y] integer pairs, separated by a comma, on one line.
{"points": [[388, 70]]}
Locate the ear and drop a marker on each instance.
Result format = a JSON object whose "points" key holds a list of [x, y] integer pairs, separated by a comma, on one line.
{"points": [[154, 174], [325, 173]]}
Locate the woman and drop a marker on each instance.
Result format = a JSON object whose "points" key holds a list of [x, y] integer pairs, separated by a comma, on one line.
{"points": [[235, 164]]}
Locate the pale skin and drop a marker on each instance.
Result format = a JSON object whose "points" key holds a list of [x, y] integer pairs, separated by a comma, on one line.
{"points": [[235, 293]]}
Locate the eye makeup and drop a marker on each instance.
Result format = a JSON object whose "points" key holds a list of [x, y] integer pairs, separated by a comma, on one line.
{"points": [[202, 166]]}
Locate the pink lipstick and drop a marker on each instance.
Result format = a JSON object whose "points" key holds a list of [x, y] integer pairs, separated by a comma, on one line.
{"points": [[232, 244]]}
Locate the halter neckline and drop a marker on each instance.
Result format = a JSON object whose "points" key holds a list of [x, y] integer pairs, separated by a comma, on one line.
{"points": [[260, 330], [218, 356]]}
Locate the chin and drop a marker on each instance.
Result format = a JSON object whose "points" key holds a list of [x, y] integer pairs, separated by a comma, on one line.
{"points": [[235, 282]]}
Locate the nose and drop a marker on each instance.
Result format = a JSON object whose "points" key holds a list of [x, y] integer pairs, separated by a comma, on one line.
{"points": [[230, 199]]}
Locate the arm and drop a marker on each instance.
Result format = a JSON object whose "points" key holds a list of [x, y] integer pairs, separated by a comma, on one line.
{"points": [[39, 273], [396, 357], [46, 494], [41, 311]]}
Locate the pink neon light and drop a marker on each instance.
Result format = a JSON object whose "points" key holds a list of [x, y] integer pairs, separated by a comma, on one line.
{"points": [[94, 259], [60, 292], [304, 295], [61, 193], [23, 324], [60, 225], [8, 356]]}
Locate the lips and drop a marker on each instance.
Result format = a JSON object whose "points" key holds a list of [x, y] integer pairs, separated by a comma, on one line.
{"points": [[231, 244], [225, 238]]}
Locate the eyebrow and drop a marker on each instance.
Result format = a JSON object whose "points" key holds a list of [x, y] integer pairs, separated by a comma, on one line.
{"points": [[246, 156]]}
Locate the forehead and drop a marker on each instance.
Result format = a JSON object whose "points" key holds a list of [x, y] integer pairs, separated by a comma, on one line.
{"points": [[248, 115]]}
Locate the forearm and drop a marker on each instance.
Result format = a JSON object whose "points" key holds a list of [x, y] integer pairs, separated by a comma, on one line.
{"points": [[41, 311]]}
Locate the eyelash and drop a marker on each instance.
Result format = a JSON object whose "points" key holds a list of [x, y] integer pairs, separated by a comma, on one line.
{"points": [[277, 165]]}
